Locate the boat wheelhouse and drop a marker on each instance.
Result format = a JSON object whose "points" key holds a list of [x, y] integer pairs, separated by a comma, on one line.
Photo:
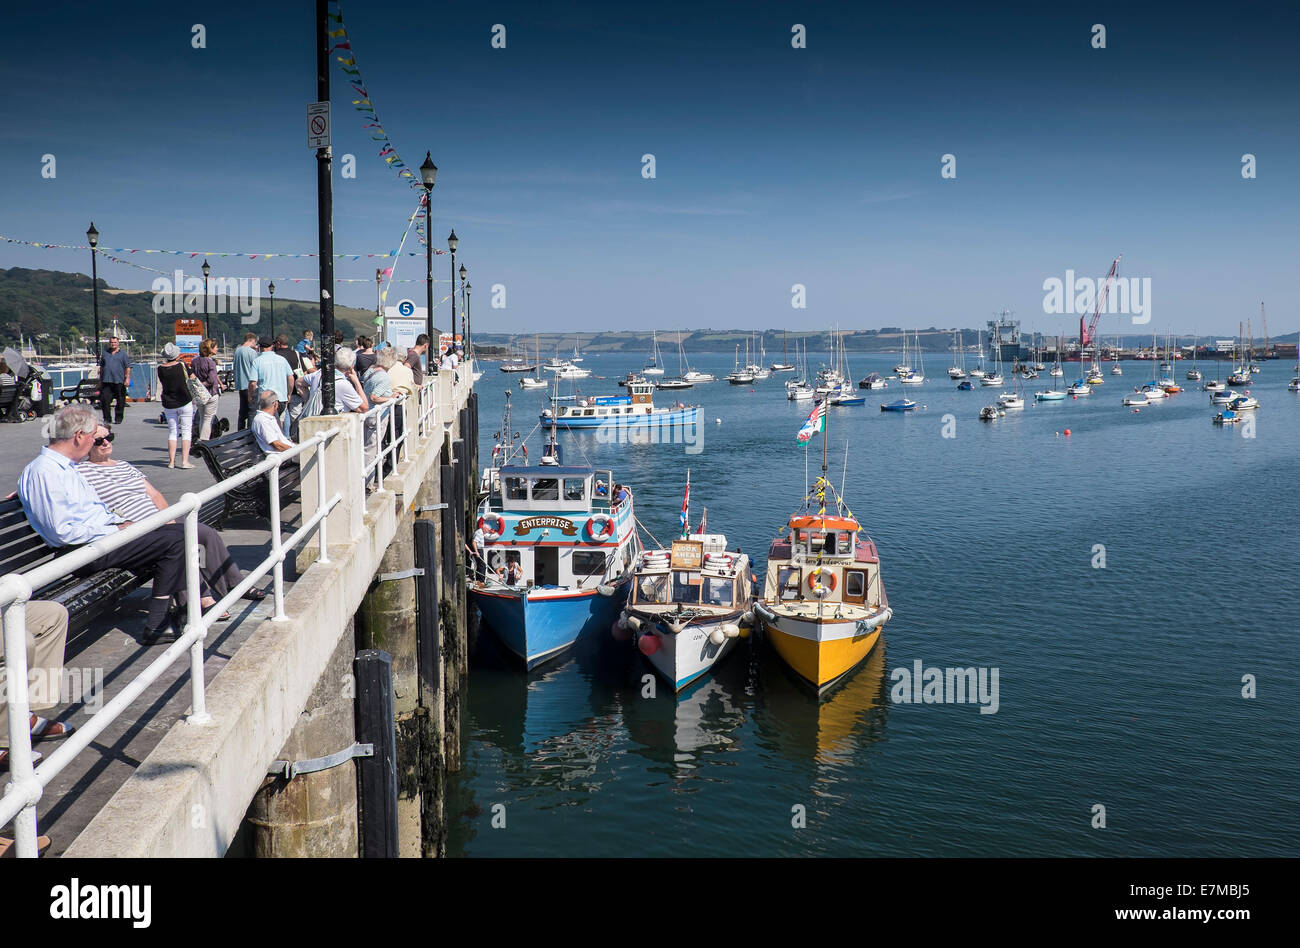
{"points": [[557, 556], [635, 408], [823, 605]]}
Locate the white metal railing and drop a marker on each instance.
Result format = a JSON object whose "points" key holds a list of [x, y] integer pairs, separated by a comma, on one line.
{"points": [[428, 405], [28, 782], [379, 421]]}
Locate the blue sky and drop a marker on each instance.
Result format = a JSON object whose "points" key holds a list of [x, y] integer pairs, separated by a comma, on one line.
{"points": [[774, 165]]}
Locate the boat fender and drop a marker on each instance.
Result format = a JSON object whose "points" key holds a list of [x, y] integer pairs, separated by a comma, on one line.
{"points": [[600, 527], [492, 526], [605, 590], [747, 618], [730, 629], [717, 637], [764, 612], [633, 622], [648, 644], [818, 588]]}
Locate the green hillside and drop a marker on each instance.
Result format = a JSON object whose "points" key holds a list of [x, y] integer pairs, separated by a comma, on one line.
{"points": [[49, 306]]}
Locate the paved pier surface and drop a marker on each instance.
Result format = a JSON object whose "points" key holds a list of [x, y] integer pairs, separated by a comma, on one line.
{"points": [[110, 648]]}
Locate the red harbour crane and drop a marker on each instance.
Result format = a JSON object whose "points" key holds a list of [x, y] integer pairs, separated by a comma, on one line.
{"points": [[1088, 332]]}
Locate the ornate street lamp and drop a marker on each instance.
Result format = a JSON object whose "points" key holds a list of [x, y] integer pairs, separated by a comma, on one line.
{"points": [[92, 237], [207, 327], [429, 174]]}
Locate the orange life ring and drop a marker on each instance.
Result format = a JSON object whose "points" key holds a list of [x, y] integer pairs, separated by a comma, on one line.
{"points": [[600, 534], [818, 588], [486, 524]]}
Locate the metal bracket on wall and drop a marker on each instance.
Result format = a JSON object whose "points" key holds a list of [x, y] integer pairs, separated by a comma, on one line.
{"points": [[400, 574], [290, 769], [430, 507]]}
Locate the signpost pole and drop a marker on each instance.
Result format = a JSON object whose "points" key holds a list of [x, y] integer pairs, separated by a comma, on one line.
{"points": [[325, 214]]}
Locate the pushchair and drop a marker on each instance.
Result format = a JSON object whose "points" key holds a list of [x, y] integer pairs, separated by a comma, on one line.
{"points": [[19, 400]]}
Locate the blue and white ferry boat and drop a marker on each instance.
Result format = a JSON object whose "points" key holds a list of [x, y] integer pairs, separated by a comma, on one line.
{"points": [[560, 547], [635, 409]]}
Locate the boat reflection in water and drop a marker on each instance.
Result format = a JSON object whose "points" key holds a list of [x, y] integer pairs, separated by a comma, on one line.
{"points": [[677, 733], [832, 731]]}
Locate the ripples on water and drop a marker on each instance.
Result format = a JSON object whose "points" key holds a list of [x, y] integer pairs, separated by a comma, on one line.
{"points": [[1119, 686]]}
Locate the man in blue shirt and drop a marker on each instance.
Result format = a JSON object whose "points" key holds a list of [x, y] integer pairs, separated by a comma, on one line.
{"points": [[245, 356], [271, 372], [64, 509], [114, 378]]}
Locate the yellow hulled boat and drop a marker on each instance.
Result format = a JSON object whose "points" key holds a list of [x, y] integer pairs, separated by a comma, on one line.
{"points": [[823, 605]]}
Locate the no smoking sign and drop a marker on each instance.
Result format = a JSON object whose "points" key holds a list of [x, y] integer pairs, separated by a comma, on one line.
{"points": [[318, 125]]}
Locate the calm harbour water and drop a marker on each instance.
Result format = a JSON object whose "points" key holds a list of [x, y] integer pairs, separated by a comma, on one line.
{"points": [[1119, 686]]}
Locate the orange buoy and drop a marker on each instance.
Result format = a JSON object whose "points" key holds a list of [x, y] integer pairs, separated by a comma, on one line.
{"points": [[1067, 431]]}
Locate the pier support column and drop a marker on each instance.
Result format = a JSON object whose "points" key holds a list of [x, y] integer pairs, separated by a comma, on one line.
{"points": [[432, 671], [452, 616], [314, 815], [386, 621]]}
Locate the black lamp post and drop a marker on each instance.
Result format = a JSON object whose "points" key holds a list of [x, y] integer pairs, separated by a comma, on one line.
{"points": [[463, 331], [429, 174], [452, 243], [207, 327], [92, 237], [271, 289], [469, 326]]}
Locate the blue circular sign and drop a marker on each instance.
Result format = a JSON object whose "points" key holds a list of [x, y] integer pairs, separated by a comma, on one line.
{"points": [[406, 308]]}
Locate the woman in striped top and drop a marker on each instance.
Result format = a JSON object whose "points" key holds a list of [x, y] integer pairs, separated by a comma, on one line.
{"points": [[127, 492]]}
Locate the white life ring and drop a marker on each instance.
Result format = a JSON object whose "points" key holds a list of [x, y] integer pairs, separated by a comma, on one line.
{"points": [[600, 527]]}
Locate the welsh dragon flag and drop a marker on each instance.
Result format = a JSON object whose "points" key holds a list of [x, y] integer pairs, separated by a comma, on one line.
{"points": [[816, 422]]}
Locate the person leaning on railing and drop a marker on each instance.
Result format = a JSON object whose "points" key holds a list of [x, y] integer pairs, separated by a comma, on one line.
{"points": [[124, 489], [400, 376], [349, 394], [64, 509]]}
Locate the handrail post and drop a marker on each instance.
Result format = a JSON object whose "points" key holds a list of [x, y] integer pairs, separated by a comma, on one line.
{"points": [[277, 550], [21, 767], [194, 613], [323, 527]]}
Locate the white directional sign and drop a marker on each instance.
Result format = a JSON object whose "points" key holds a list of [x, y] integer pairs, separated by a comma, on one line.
{"points": [[318, 125]]}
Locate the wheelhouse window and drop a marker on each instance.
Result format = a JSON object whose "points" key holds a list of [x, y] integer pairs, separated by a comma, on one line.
{"points": [[855, 584], [516, 488], [575, 488], [589, 562], [719, 592], [787, 582], [652, 589], [546, 488], [685, 591]]}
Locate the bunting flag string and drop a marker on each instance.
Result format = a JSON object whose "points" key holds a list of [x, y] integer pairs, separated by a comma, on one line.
{"points": [[364, 105], [213, 253], [415, 216]]}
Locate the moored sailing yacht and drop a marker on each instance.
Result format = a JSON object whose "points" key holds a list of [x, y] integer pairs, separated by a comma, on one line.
{"points": [[823, 605]]}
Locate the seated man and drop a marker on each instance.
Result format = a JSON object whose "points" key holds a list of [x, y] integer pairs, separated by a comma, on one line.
{"points": [[47, 634], [127, 492], [66, 512], [266, 425]]}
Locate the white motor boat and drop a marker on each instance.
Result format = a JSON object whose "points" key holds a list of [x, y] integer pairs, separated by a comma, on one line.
{"points": [[1137, 399], [1011, 401], [1154, 392], [992, 379], [1223, 397], [1079, 388], [1214, 385]]}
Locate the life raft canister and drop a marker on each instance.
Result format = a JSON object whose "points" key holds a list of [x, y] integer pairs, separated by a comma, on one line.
{"points": [[600, 527], [492, 525], [818, 588]]}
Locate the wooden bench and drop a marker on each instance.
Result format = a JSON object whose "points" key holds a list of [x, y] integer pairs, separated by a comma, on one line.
{"points": [[232, 453], [87, 390], [85, 597]]}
